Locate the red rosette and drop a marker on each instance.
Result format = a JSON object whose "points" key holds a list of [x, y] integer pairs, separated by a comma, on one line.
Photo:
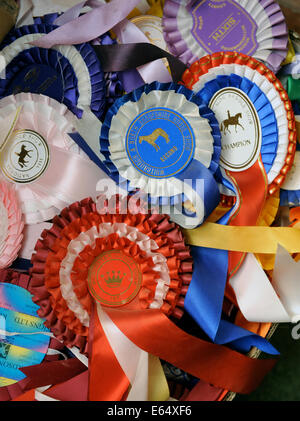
{"points": [[16, 278], [208, 63], [73, 265]]}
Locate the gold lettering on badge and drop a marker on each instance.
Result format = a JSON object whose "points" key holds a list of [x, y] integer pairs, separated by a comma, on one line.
{"points": [[168, 154], [222, 31]]}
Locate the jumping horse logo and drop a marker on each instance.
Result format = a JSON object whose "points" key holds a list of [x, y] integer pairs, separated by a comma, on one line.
{"points": [[22, 155], [231, 121], [152, 138]]}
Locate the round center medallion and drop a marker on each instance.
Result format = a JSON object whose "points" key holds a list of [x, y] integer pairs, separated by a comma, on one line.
{"points": [[240, 128], [25, 157], [114, 278], [160, 143]]}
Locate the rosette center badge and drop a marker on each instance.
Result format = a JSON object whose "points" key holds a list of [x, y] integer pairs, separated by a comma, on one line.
{"points": [[160, 143], [114, 278], [25, 156], [223, 25], [240, 128]]}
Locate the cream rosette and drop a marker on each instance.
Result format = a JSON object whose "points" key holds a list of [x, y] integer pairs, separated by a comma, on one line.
{"points": [[163, 161]]}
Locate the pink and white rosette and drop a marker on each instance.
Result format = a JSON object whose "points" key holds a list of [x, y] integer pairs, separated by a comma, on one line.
{"points": [[39, 157], [11, 225]]}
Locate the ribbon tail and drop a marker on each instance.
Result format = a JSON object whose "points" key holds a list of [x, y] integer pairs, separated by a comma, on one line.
{"points": [[204, 301], [251, 186], [212, 363], [107, 380]]}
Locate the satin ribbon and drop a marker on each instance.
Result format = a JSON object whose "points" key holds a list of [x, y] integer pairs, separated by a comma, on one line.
{"points": [[293, 89], [252, 188], [215, 364], [64, 180], [127, 32], [153, 334], [87, 27], [120, 57], [204, 301], [252, 239], [263, 301], [8, 126]]}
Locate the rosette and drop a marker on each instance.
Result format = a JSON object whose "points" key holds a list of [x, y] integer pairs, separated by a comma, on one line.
{"points": [[257, 28], [258, 134], [149, 246], [102, 267], [161, 139], [11, 225], [69, 74], [213, 75], [47, 168]]}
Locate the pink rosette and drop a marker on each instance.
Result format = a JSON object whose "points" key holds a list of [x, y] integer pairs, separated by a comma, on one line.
{"points": [[11, 225], [40, 158]]}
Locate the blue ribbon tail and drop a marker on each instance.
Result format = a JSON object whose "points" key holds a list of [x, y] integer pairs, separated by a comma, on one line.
{"points": [[204, 301]]}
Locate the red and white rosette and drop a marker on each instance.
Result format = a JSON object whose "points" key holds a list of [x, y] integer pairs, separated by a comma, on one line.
{"points": [[11, 225], [119, 260], [38, 156], [68, 254]]}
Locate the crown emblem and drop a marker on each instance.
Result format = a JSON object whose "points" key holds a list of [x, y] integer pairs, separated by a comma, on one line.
{"points": [[113, 279]]}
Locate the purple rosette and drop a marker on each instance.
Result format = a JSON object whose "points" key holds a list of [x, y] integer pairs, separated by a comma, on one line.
{"points": [[195, 28]]}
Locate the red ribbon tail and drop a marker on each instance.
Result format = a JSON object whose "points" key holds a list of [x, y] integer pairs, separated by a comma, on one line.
{"points": [[107, 380], [252, 188]]}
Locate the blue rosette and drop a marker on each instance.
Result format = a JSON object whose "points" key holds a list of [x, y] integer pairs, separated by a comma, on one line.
{"points": [[241, 76], [163, 141], [69, 74], [265, 112]]}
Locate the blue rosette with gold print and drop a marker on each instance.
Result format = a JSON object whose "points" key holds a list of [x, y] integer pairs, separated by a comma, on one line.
{"points": [[163, 141], [66, 73]]}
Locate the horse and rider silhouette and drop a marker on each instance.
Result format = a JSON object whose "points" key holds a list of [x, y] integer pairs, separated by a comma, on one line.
{"points": [[22, 155], [231, 121], [153, 137]]}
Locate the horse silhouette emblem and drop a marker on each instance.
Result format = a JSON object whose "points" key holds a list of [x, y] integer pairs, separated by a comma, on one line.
{"points": [[231, 121], [152, 138], [22, 155]]}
